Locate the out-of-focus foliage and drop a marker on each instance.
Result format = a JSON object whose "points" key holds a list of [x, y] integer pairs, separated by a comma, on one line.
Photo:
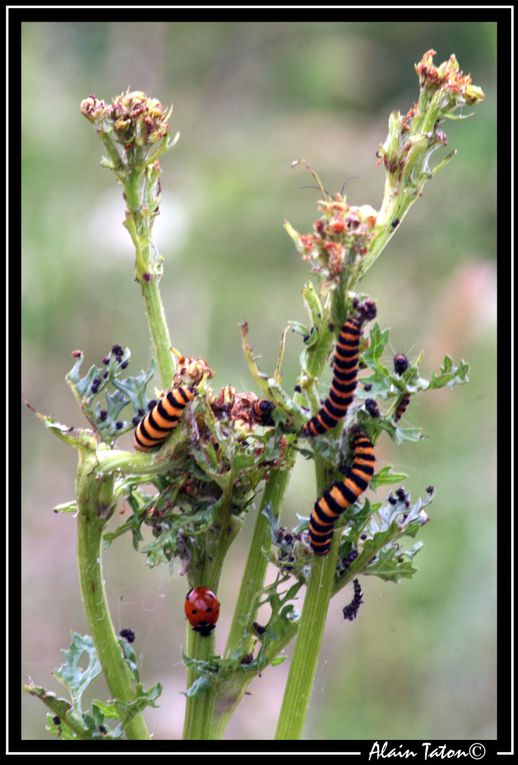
{"points": [[249, 98]]}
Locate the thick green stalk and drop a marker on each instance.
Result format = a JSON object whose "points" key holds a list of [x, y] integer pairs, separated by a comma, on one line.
{"points": [[240, 638], [253, 577], [256, 564], [94, 498], [159, 330], [314, 612], [148, 270], [200, 709], [307, 649]]}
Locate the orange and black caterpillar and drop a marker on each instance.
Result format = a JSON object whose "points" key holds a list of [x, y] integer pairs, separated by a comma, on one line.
{"points": [[162, 419], [401, 406], [345, 373], [336, 500], [262, 410]]}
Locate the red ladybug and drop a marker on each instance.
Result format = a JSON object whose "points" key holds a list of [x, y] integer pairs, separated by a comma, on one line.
{"points": [[202, 610]]}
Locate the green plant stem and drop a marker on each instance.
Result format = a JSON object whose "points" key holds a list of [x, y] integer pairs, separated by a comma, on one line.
{"points": [[200, 708], [159, 330], [256, 564], [316, 602], [148, 270], [240, 637], [94, 497], [70, 717], [305, 657]]}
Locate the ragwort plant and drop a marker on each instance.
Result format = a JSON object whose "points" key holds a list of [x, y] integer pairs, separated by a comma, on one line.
{"points": [[227, 453]]}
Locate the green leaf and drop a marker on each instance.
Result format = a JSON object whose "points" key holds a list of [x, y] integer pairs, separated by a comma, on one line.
{"points": [[200, 685], [66, 507], [78, 437], [385, 477], [134, 388], [73, 723], [393, 564], [450, 375], [313, 305], [145, 698], [298, 328], [71, 674], [378, 342], [407, 434]]}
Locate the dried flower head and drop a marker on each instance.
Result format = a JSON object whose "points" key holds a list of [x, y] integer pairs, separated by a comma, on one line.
{"points": [[449, 79], [340, 236], [193, 369], [132, 116]]}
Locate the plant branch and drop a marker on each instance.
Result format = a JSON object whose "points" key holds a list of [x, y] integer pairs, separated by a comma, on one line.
{"points": [[94, 501]]}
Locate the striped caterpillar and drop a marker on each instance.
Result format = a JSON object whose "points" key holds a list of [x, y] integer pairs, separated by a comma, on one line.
{"points": [[335, 500], [345, 373], [262, 410], [162, 419], [401, 406]]}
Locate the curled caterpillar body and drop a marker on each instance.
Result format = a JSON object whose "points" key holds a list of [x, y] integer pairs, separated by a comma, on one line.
{"points": [[336, 500], [162, 419], [262, 410], [401, 406], [350, 611], [345, 379]]}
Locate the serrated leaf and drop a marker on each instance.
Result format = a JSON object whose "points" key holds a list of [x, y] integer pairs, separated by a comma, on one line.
{"points": [[408, 434], [450, 375], [378, 342], [71, 675], [78, 437], [386, 477], [392, 564], [134, 388], [83, 384], [128, 710], [130, 658]]}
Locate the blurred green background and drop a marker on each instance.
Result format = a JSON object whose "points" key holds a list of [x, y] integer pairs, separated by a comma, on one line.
{"points": [[248, 99]]}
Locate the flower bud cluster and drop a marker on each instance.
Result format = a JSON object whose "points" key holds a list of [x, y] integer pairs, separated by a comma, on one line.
{"points": [[453, 86], [340, 236], [191, 369], [132, 119], [412, 137]]}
